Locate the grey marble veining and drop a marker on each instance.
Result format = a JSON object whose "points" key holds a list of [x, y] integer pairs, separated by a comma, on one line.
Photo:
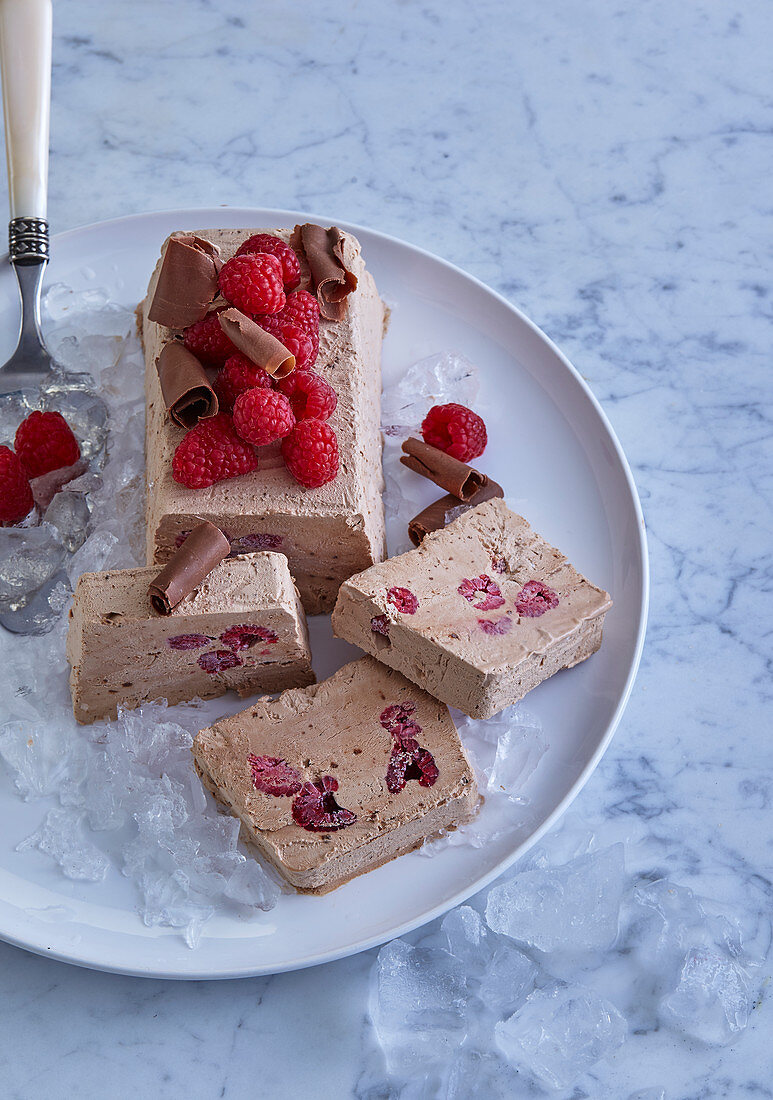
{"points": [[605, 166]]}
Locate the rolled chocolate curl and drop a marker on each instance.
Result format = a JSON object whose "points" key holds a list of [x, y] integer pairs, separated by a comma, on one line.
{"points": [[204, 548], [457, 478], [187, 392], [447, 509], [258, 345], [187, 282], [332, 281]]}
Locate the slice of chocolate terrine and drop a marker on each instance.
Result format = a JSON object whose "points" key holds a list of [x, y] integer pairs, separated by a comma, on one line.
{"points": [[327, 533]]}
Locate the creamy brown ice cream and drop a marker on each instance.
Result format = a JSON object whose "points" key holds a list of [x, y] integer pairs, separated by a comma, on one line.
{"points": [[351, 736], [242, 628], [327, 533], [478, 615]]}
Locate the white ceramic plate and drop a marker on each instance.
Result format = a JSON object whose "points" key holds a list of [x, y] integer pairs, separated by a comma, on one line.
{"points": [[555, 453]]}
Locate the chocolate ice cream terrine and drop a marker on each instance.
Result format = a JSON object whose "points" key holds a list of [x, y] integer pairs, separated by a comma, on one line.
{"points": [[482, 612], [333, 780], [243, 628], [327, 533]]}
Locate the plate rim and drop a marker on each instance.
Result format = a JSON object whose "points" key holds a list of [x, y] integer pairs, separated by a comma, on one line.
{"points": [[79, 958]]}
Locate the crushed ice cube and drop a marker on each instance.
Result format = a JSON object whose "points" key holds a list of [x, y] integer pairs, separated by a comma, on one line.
{"points": [[508, 980], [250, 885], [418, 1006], [465, 936], [73, 395], [483, 1074], [560, 1033], [94, 555], [520, 747], [42, 610], [572, 907], [69, 514], [29, 556], [36, 754], [15, 407], [435, 380], [60, 836], [711, 1001]]}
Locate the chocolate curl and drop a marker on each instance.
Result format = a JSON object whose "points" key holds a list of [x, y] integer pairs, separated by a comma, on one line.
{"points": [[332, 281], [204, 548], [187, 282], [188, 395], [258, 345], [457, 478], [447, 509]]}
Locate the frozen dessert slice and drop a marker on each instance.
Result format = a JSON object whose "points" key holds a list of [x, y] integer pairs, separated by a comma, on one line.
{"points": [[333, 780], [242, 628], [479, 614], [327, 533]]}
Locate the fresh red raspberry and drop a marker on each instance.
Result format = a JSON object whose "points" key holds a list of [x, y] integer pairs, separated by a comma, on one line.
{"points": [[302, 309], [456, 430], [297, 342], [206, 340], [15, 492], [253, 283], [44, 442], [311, 397], [310, 452], [237, 375], [263, 416], [273, 775], [210, 452], [273, 246], [316, 809]]}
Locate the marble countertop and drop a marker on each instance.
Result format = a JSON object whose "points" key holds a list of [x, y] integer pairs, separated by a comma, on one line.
{"points": [[607, 168]]}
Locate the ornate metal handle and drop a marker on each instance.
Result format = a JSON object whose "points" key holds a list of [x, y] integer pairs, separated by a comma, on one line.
{"points": [[28, 241]]}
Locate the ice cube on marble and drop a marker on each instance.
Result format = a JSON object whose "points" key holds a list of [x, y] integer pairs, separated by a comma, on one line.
{"points": [[508, 980], [712, 999], [61, 837], [466, 937], [29, 556], [654, 1093], [418, 1006], [483, 1074], [560, 1033], [569, 908], [70, 516], [249, 884]]}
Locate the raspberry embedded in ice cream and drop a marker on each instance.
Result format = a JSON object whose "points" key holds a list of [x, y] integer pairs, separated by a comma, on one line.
{"points": [[534, 599], [316, 809], [274, 776], [483, 593]]}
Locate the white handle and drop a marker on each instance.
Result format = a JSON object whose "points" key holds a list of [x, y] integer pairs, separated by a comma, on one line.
{"points": [[25, 58]]}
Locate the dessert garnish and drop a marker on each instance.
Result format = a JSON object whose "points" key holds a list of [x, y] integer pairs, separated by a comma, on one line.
{"points": [[442, 512], [207, 341], [457, 478], [275, 246], [204, 548], [237, 375], [253, 282], [310, 452], [256, 343], [311, 397], [45, 442], [15, 493], [456, 430], [187, 282], [187, 392], [332, 281], [262, 416], [210, 452]]}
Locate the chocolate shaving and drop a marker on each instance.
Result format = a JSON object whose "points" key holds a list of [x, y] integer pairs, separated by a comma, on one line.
{"points": [[258, 345], [449, 473], [187, 282], [331, 279], [447, 509], [204, 548], [46, 486], [187, 392]]}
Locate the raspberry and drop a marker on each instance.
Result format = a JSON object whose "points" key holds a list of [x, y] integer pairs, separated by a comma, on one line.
{"points": [[273, 246], [272, 775], [297, 342], [257, 540], [302, 309], [206, 340], [483, 593], [409, 760], [15, 492], [188, 641], [403, 599], [263, 416], [456, 430], [310, 452], [238, 374], [44, 442], [534, 599], [253, 283], [379, 624], [311, 397], [210, 452], [495, 626], [245, 637], [395, 716], [219, 661], [316, 809]]}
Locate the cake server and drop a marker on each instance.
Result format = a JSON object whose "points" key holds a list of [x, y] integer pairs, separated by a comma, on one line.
{"points": [[25, 60]]}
